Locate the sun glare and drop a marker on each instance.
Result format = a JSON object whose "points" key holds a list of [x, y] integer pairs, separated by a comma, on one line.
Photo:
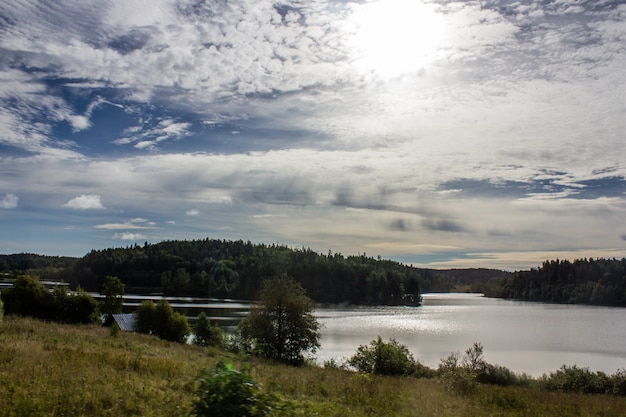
{"points": [[392, 38]]}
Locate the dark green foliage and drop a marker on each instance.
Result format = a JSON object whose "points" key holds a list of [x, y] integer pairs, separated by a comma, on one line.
{"points": [[28, 262], [593, 281], [582, 380], [235, 269], [383, 358], [77, 307], [113, 293], [500, 375], [28, 297], [162, 321], [282, 326], [226, 392], [207, 333]]}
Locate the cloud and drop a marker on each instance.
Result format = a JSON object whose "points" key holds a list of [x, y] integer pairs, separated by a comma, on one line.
{"points": [[129, 236], [137, 223], [192, 212], [85, 202], [9, 201]]}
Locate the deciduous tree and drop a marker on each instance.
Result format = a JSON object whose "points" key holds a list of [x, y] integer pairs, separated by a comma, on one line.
{"points": [[282, 326]]}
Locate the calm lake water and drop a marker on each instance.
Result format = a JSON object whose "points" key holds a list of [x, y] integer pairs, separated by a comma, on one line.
{"points": [[525, 337]]}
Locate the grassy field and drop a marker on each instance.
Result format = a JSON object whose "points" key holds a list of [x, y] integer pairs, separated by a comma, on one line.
{"points": [[49, 369]]}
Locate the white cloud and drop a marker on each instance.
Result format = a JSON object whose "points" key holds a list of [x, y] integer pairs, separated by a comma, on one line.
{"points": [[9, 201], [137, 223], [85, 202], [129, 236]]}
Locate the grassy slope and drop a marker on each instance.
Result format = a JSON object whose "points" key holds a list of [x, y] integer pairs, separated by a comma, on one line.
{"points": [[54, 370]]}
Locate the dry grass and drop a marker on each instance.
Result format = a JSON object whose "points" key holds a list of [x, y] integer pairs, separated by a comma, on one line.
{"points": [[48, 369]]}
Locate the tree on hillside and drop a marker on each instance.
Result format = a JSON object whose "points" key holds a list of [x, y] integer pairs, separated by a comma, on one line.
{"points": [[162, 321], [207, 333], [113, 292], [282, 326]]}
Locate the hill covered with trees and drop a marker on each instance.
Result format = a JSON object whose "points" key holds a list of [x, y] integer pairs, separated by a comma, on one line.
{"points": [[583, 281], [235, 269]]}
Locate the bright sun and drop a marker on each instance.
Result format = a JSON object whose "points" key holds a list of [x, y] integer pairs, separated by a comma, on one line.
{"points": [[392, 38]]}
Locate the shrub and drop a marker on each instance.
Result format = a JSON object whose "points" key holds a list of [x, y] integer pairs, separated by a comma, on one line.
{"points": [[227, 392], [457, 377], [206, 333], [581, 380], [162, 321], [618, 381], [383, 358]]}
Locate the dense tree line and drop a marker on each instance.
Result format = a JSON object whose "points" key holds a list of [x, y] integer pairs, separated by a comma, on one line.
{"points": [[584, 281], [31, 261], [29, 297], [235, 269]]}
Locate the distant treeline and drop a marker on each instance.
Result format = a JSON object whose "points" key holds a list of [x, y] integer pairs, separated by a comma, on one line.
{"points": [[46, 265], [585, 281], [235, 269]]}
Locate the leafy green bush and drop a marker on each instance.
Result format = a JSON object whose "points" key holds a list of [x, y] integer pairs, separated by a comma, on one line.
{"points": [[207, 333], [29, 297], [162, 321], [500, 375], [227, 392], [618, 380], [383, 358], [581, 380]]}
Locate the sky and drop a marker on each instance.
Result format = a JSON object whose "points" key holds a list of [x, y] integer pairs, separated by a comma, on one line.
{"points": [[443, 134]]}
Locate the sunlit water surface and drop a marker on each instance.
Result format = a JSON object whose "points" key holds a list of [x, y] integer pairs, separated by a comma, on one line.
{"points": [[525, 337]]}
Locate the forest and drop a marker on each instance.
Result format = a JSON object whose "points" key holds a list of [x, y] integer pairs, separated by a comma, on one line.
{"points": [[583, 281], [235, 269]]}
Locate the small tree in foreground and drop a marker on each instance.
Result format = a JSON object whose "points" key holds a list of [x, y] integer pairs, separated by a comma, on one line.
{"points": [[282, 326]]}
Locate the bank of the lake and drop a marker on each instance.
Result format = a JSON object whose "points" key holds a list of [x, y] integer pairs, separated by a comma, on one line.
{"points": [[526, 337], [48, 369]]}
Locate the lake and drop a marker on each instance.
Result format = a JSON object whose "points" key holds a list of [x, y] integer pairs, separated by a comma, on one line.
{"points": [[534, 338], [525, 337]]}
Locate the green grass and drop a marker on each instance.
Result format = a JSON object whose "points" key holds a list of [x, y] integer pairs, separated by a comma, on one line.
{"points": [[49, 369]]}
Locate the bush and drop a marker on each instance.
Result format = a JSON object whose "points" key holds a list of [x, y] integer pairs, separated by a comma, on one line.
{"points": [[227, 392], [580, 380], [383, 358], [162, 321], [500, 375], [28, 297], [1, 309], [206, 333], [618, 381]]}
